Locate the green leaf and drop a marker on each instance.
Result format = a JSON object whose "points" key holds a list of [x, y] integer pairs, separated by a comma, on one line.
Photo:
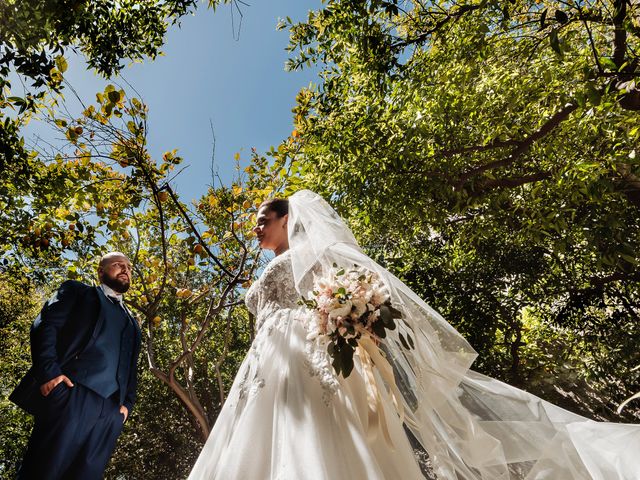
{"points": [[346, 360], [395, 313], [543, 17], [555, 42], [337, 364], [386, 315], [561, 17], [403, 341], [629, 258], [379, 329], [608, 64]]}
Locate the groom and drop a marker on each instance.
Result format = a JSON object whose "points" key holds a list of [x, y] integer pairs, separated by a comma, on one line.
{"points": [[82, 385]]}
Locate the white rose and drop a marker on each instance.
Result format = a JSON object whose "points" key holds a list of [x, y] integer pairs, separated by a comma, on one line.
{"points": [[341, 311], [361, 306], [379, 296]]}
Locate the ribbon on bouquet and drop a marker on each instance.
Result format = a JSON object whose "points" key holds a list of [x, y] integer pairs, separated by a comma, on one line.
{"points": [[370, 357]]}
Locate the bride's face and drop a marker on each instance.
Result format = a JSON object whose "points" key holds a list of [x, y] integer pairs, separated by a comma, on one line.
{"points": [[270, 229]]}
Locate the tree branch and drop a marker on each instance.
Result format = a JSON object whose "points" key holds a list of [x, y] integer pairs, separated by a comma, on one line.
{"points": [[195, 231], [629, 183], [614, 277], [492, 183], [620, 33], [423, 36], [522, 146], [479, 148]]}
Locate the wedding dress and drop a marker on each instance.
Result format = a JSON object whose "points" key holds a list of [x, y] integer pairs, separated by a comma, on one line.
{"points": [[288, 416]]}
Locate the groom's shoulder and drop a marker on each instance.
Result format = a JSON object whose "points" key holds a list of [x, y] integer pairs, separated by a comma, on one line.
{"points": [[74, 288], [71, 292], [74, 285]]}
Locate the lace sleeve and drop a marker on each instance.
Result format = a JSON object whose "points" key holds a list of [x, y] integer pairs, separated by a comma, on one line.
{"points": [[276, 286], [273, 290]]}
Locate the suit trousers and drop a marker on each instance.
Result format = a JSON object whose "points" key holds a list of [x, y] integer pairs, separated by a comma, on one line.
{"points": [[73, 436]]}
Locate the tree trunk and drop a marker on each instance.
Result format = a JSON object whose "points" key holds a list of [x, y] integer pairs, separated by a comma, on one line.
{"points": [[191, 404]]}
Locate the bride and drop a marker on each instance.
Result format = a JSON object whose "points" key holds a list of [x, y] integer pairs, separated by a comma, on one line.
{"points": [[289, 416]]}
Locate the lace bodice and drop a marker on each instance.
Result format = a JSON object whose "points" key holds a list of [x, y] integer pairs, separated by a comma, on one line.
{"points": [[273, 299], [274, 289]]}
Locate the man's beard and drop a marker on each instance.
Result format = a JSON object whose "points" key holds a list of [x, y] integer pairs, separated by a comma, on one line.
{"points": [[117, 285]]}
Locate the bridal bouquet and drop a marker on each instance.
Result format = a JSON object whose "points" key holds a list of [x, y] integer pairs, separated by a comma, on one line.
{"points": [[347, 305]]}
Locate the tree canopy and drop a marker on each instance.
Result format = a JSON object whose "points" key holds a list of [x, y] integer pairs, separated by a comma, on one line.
{"points": [[34, 38], [487, 152]]}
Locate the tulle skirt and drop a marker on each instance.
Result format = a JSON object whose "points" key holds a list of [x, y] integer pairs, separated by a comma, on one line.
{"points": [[287, 417]]}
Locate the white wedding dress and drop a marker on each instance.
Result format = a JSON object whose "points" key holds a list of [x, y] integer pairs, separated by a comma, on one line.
{"points": [[289, 417]]}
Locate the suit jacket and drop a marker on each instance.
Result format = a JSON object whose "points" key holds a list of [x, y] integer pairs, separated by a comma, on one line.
{"points": [[68, 323]]}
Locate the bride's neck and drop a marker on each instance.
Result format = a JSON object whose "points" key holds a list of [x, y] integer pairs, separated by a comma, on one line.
{"points": [[281, 248]]}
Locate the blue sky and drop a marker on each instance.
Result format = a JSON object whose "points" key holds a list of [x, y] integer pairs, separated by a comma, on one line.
{"points": [[209, 74]]}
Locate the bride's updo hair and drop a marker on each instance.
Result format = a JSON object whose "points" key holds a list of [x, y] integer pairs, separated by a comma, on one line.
{"points": [[278, 205]]}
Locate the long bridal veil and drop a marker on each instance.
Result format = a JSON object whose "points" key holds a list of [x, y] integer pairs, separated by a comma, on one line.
{"points": [[472, 426]]}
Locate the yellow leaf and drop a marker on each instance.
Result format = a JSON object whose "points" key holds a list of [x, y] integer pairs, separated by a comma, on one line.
{"points": [[62, 212], [61, 63], [237, 156], [213, 201]]}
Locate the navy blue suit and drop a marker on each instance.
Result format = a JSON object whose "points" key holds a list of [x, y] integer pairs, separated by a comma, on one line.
{"points": [[92, 340]]}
